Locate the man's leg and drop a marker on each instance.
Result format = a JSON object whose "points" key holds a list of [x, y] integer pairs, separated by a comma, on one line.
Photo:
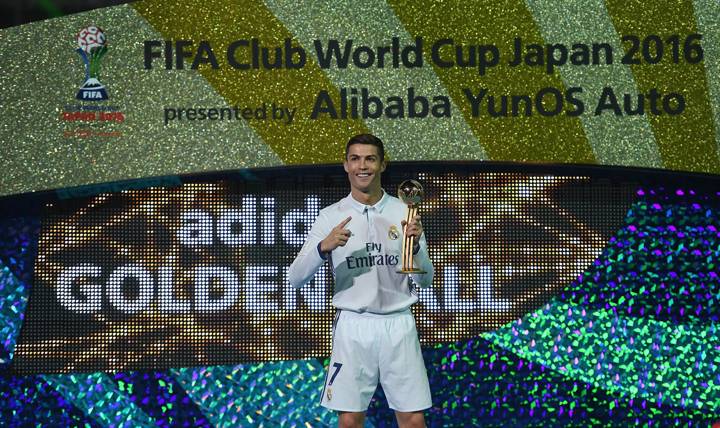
{"points": [[410, 419], [352, 374], [351, 419], [402, 372]]}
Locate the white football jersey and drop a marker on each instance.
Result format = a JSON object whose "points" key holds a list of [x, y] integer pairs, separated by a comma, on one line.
{"points": [[365, 269]]}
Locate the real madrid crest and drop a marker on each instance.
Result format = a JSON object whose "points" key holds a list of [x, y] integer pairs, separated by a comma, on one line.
{"points": [[393, 233], [329, 394]]}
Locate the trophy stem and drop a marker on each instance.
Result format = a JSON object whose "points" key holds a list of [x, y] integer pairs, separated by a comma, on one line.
{"points": [[411, 193], [408, 241]]}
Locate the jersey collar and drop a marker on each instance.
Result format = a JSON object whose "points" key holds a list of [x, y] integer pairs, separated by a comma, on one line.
{"points": [[360, 207]]}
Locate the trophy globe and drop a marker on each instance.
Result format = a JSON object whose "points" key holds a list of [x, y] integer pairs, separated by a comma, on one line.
{"points": [[411, 192]]}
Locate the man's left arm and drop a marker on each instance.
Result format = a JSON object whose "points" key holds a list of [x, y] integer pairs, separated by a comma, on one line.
{"points": [[422, 261], [421, 258]]}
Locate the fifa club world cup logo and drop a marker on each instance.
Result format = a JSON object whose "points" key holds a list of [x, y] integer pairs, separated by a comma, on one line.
{"points": [[92, 47]]}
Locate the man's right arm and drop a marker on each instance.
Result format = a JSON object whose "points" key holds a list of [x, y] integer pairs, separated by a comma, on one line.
{"points": [[314, 252], [308, 260]]}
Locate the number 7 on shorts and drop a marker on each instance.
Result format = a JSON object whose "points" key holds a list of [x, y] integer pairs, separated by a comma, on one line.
{"points": [[337, 366]]}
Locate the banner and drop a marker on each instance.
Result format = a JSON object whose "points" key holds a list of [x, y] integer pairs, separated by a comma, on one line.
{"points": [[155, 88]]}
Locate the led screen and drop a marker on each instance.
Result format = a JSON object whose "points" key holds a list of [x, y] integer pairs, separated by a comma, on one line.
{"points": [[196, 274]]}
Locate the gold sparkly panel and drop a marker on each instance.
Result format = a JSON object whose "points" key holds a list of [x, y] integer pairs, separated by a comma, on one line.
{"points": [[304, 141], [687, 140], [616, 140], [196, 275], [42, 151], [42, 73], [536, 138], [427, 138]]}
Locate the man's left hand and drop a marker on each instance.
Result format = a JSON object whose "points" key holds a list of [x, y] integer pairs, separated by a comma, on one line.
{"points": [[414, 227]]}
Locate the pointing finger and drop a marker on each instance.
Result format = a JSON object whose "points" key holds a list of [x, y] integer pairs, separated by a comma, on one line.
{"points": [[344, 222]]}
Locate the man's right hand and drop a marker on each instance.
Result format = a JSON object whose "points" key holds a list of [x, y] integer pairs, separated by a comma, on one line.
{"points": [[337, 237]]}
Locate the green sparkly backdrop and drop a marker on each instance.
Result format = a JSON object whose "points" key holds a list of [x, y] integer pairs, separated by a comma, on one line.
{"points": [[171, 67]]}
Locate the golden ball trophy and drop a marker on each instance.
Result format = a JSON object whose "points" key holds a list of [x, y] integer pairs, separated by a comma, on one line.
{"points": [[411, 193]]}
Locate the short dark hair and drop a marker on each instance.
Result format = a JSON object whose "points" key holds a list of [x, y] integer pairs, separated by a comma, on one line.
{"points": [[366, 139]]}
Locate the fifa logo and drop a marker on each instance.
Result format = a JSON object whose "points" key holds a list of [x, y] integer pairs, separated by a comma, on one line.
{"points": [[92, 47]]}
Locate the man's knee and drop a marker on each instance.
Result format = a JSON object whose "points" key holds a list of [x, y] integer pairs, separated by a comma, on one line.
{"points": [[410, 419], [351, 419]]}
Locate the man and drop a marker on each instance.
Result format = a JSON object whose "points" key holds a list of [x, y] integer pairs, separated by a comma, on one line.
{"points": [[374, 334]]}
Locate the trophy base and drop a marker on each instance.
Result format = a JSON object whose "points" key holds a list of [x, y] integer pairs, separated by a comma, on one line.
{"points": [[411, 271]]}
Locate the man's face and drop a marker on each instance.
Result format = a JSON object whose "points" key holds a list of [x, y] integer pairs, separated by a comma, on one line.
{"points": [[364, 167]]}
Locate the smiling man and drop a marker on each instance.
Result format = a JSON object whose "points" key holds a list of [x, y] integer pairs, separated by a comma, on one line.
{"points": [[374, 334]]}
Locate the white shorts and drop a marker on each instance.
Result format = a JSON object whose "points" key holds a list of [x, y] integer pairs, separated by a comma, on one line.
{"points": [[368, 348]]}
